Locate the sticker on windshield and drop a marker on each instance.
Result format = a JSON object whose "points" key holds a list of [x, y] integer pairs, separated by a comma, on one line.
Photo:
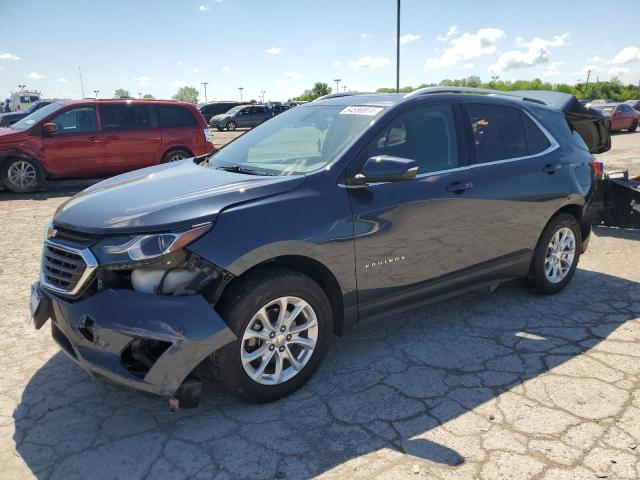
{"points": [[368, 111]]}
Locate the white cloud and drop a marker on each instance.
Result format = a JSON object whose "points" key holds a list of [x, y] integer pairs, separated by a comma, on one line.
{"points": [[63, 80], [337, 63], [202, 8], [468, 66], [195, 70], [369, 62], [537, 52], [409, 37], [627, 55], [179, 62], [586, 68], [273, 50], [597, 59], [179, 83], [552, 70], [366, 35], [8, 56], [225, 69], [142, 81], [35, 76], [292, 75], [468, 46], [616, 71], [453, 30]]}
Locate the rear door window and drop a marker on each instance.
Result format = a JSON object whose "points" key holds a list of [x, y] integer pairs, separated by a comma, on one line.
{"points": [[119, 117], [173, 116], [537, 141], [498, 132]]}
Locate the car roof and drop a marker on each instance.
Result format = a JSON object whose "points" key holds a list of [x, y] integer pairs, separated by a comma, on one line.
{"points": [[372, 99], [106, 101]]}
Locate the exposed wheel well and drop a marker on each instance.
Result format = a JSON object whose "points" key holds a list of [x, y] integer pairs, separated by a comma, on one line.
{"points": [[578, 212], [178, 147], [320, 274]]}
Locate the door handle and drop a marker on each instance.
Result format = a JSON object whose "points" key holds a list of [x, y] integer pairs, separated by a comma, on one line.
{"points": [[552, 168], [95, 139], [459, 187]]}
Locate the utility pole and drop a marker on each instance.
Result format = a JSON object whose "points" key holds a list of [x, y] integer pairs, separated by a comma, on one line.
{"points": [[140, 95], [204, 84], [337, 80], [81, 82], [241, 89], [398, 50], [21, 87], [588, 75], [263, 92], [344, 88], [96, 92]]}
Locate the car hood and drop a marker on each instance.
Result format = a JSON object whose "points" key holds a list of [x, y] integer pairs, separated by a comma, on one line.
{"points": [[222, 116], [164, 197], [10, 135]]}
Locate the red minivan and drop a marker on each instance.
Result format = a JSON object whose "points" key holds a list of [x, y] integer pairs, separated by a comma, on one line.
{"points": [[98, 138]]}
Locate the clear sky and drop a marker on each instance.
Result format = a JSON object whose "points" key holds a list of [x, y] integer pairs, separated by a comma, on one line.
{"points": [[284, 46]]}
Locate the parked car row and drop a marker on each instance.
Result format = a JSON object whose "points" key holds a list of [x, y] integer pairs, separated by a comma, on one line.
{"points": [[225, 115], [620, 116], [9, 118], [98, 138]]}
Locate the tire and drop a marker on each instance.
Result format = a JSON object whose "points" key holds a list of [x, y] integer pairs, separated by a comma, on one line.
{"points": [[633, 127], [220, 129], [176, 155], [541, 277], [240, 306], [22, 175], [231, 125]]}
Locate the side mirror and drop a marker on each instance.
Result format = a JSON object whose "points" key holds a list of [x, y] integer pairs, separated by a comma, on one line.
{"points": [[49, 129], [384, 168]]}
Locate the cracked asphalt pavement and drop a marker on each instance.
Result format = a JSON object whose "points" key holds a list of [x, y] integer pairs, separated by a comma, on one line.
{"points": [[508, 385]]}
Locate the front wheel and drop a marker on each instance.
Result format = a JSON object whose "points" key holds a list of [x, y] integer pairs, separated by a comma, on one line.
{"points": [[231, 125], [283, 323], [175, 155], [556, 256], [22, 175]]}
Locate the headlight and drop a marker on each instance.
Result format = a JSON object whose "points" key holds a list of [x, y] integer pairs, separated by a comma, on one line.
{"points": [[137, 248]]}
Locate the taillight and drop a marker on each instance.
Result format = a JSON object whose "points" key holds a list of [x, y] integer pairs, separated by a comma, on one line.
{"points": [[598, 167]]}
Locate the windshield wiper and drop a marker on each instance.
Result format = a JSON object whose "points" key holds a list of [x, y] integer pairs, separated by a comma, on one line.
{"points": [[243, 170]]}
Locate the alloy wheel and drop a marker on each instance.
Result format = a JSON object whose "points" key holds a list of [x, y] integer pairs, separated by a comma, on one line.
{"points": [[560, 255], [176, 157], [22, 174], [279, 340]]}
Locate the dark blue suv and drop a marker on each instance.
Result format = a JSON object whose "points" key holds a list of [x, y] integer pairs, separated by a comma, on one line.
{"points": [[247, 261]]}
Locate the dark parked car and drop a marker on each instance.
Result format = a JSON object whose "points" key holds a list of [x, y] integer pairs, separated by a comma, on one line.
{"points": [[635, 104], [620, 116], [97, 138], [9, 118], [212, 109], [242, 117], [331, 212]]}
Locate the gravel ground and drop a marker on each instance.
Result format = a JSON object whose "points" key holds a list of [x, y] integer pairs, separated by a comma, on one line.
{"points": [[507, 385]]}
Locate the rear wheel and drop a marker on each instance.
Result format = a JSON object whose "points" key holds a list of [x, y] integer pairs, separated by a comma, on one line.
{"points": [[633, 127], [22, 175], [231, 125], [556, 256], [283, 323], [175, 155]]}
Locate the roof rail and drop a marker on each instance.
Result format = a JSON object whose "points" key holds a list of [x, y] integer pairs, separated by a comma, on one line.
{"points": [[481, 91], [341, 94]]}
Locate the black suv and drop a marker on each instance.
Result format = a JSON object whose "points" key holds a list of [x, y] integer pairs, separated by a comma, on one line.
{"points": [[242, 116], [248, 261], [212, 109]]}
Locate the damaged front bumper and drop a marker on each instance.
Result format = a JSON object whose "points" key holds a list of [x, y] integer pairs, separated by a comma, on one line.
{"points": [[143, 341]]}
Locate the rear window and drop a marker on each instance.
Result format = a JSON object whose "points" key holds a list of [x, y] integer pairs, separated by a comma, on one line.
{"points": [[120, 117], [536, 139], [498, 132], [172, 116]]}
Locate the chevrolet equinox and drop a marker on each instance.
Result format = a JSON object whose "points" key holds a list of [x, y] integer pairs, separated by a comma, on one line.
{"points": [[246, 262]]}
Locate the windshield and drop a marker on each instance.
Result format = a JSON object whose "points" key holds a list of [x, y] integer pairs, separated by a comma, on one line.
{"points": [[297, 141], [606, 110], [30, 120], [234, 110]]}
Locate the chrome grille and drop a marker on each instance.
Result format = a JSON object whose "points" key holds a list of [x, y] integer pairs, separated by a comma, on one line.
{"points": [[64, 269]]}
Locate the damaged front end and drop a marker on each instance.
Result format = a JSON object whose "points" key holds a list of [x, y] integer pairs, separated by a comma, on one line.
{"points": [[136, 312]]}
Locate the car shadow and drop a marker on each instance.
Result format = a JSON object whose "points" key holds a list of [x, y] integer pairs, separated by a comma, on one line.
{"points": [[387, 386], [615, 232], [51, 189]]}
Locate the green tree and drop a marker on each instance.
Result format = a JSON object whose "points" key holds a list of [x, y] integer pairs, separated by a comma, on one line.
{"points": [[187, 94], [318, 90], [148, 96], [121, 93]]}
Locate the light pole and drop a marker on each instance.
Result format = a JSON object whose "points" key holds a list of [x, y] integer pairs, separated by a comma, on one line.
{"points": [[263, 92], [204, 84], [96, 92], [337, 80], [241, 89], [140, 95], [21, 87], [398, 50], [344, 88]]}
